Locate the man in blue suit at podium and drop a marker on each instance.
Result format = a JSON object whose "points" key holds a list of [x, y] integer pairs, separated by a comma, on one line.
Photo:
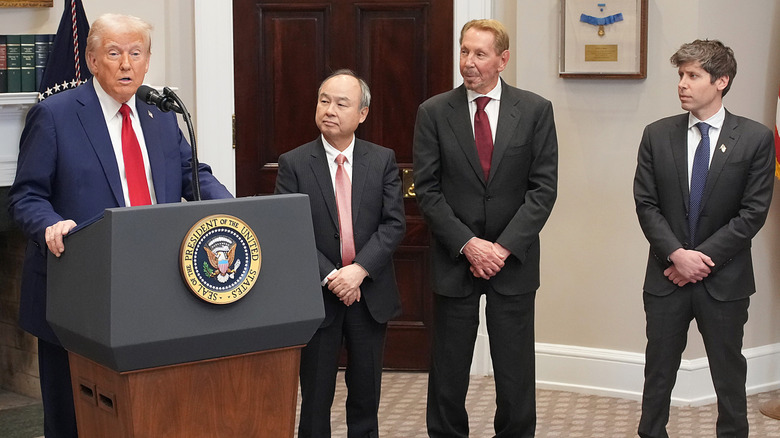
{"points": [[82, 151]]}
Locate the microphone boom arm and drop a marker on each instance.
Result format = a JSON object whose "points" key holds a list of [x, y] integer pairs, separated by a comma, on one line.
{"points": [[168, 93]]}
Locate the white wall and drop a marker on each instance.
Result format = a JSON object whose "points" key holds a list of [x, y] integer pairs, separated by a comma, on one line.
{"points": [[593, 250]]}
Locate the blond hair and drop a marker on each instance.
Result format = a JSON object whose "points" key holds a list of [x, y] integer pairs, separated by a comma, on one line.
{"points": [[117, 22], [495, 27]]}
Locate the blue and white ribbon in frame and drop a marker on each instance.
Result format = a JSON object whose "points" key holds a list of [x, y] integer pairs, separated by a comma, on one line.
{"points": [[601, 21]]}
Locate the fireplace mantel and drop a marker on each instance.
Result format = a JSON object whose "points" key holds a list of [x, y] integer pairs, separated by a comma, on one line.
{"points": [[13, 109]]}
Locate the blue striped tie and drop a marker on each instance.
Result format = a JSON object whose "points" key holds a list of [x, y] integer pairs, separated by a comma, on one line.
{"points": [[701, 164]]}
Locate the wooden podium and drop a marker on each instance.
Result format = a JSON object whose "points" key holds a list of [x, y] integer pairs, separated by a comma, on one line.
{"points": [[252, 395], [149, 358]]}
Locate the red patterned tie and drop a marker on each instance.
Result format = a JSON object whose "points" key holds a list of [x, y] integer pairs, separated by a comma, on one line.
{"points": [[344, 204], [483, 136], [137, 186]]}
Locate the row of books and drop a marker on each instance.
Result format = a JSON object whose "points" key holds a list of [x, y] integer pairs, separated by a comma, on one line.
{"points": [[22, 61]]}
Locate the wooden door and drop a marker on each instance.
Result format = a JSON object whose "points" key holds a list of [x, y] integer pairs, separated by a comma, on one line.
{"points": [[403, 48]]}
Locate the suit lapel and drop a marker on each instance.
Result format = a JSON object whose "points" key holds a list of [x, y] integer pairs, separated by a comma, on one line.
{"points": [[319, 167], [678, 140], [508, 118], [152, 135], [727, 141], [460, 123], [360, 165], [94, 124]]}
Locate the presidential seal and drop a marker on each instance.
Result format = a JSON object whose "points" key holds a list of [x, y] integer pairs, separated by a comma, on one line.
{"points": [[220, 259]]}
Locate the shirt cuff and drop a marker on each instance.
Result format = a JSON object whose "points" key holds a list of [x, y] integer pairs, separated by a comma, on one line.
{"points": [[467, 242], [325, 280]]}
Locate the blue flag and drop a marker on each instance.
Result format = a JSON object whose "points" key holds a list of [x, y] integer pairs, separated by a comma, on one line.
{"points": [[67, 64]]}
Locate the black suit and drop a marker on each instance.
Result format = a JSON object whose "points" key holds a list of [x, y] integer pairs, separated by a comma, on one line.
{"points": [[378, 225], [734, 207], [510, 208]]}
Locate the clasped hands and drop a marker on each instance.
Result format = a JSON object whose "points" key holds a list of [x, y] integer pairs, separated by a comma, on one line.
{"points": [[486, 258], [688, 266], [345, 283]]}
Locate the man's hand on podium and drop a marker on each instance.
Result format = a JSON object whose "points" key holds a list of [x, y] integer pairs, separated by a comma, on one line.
{"points": [[54, 236]]}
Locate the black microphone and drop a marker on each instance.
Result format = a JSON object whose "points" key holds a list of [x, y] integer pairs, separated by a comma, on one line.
{"points": [[162, 101], [169, 101]]}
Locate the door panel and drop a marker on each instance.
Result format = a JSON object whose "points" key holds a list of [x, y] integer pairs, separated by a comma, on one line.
{"points": [[403, 49]]}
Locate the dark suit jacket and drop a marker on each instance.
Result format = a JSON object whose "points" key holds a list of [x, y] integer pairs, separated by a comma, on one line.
{"points": [[734, 205], [377, 216], [510, 208], [67, 170]]}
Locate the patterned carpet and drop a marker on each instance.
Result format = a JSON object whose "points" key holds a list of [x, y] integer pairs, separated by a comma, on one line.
{"points": [[402, 413], [560, 414]]}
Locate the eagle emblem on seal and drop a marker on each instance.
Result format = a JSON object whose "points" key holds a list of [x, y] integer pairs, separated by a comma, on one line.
{"points": [[221, 252]]}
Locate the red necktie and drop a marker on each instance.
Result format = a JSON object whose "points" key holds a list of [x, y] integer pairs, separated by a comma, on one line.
{"points": [[344, 205], [137, 186], [483, 136]]}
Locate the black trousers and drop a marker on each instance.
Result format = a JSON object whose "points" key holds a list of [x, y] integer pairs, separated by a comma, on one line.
{"points": [[721, 324], [510, 323], [365, 341], [59, 416]]}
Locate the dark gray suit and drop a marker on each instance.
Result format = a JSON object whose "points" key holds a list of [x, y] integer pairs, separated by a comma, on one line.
{"points": [[734, 207], [510, 208], [379, 226]]}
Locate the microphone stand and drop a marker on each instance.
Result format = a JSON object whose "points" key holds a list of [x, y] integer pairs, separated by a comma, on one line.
{"points": [[168, 93]]}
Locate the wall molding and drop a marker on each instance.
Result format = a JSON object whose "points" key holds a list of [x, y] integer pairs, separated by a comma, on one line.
{"points": [[620, 374]]}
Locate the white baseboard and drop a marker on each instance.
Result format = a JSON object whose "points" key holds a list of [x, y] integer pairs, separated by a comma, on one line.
{"points": [[621, 374]]}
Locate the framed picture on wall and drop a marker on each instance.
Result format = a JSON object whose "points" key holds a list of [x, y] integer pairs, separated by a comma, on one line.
{"points": [[603, 39], [26, 3]]}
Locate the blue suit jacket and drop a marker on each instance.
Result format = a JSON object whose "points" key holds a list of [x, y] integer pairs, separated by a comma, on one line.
{"points": [[67, 170]]}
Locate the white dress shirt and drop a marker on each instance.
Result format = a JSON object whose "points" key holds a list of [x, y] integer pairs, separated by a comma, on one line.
{"points": [[331, 153], [694, 136], [491, 108]]}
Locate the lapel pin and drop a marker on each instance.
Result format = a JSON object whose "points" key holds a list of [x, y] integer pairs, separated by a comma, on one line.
{"points": [[723, 148], [152, 115]]}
